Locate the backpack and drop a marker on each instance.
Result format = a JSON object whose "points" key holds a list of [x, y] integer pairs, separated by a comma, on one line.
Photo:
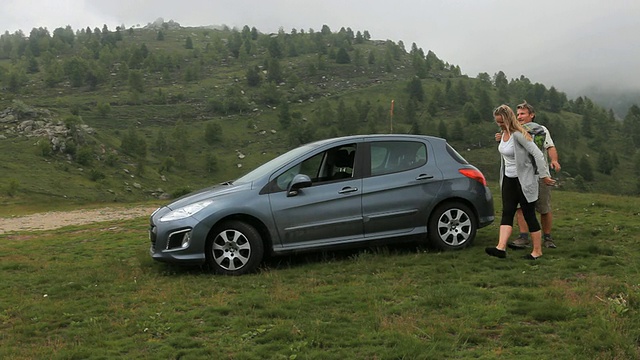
{"points": [[539, 135]]}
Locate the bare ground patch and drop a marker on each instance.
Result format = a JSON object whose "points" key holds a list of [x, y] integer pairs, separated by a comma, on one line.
{"points": [[57, 219]]}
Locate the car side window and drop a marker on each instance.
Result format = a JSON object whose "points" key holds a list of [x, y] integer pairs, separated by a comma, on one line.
{"points": [[340, 163], [394, 156], [331, 165], [308, 167]]}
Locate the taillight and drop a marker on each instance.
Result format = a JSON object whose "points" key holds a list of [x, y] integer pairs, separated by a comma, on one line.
{"points": [[474, 174]]}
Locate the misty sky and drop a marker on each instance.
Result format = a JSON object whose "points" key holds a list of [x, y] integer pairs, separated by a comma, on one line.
{"points": [[569, 44]]}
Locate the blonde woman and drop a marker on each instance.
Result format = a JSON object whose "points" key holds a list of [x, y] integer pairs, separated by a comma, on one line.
{"points": [[521, 165]]}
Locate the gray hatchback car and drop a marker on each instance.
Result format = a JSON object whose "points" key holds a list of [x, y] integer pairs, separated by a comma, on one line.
{"points": [[348, 191]]}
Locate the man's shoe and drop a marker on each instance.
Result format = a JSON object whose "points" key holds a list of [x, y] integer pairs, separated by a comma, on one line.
{"points": [[548, 243], [519, 243]]}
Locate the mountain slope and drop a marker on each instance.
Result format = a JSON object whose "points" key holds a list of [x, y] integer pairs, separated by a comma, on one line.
{"points": [[156, 112]]}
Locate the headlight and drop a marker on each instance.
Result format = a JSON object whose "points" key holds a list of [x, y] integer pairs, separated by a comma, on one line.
{"points": [[186, 211]]}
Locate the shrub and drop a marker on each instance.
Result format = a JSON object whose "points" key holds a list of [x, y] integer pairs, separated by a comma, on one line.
{"points": [[95, 175], [84, 156], [12, 187], [111, 159], [104, 108], [43, 148], [70, 148], [212, 132]]}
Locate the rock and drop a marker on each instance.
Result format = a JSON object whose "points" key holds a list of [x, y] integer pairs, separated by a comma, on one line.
{"points": [[8, 119]]}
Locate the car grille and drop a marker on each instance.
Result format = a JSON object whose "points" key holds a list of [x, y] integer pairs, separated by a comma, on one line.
{"points": [[152, 236]]}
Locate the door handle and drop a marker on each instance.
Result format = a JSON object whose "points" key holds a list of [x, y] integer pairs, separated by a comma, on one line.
{"points": [[347, 190], [424, 177]]}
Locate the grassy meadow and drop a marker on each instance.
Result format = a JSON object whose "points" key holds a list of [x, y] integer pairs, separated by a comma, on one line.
{"points": [[93, 292]]}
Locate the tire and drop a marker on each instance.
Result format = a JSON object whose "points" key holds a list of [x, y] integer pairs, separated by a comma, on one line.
{"points": [[452, 226], [236, 248]]}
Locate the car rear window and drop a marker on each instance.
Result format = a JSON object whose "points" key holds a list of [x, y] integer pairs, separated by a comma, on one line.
{"points": [[455, 155]]}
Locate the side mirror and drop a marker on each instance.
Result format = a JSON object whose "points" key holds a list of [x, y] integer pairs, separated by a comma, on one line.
{"points": [[299, 181]]}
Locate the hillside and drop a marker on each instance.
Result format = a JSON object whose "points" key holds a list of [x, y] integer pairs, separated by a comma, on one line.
{"points": [[100, 115]]}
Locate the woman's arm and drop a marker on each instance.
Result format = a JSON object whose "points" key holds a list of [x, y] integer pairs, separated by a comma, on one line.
{"points": [[532, 148]]}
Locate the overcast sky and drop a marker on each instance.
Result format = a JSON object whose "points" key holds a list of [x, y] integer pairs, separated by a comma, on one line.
{"points": [[569, 44]]}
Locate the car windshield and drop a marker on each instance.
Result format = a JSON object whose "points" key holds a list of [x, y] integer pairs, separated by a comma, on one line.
{"points": [[273, 165]]}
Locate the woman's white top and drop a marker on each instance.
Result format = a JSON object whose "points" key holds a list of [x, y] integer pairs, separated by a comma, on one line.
{"points": [[508, 151]]}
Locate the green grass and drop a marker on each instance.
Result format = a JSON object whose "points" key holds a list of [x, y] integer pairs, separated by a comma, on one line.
{"points": [[92, 292]]}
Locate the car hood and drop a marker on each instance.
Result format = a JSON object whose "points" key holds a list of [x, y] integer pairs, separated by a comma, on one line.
{"points": [[208, 193]]}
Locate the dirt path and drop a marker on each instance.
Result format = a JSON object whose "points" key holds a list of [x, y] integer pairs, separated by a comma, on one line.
{"points": [[57, 219]]}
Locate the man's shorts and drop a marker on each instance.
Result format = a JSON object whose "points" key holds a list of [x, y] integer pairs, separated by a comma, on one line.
{"points": [[543, 205]]}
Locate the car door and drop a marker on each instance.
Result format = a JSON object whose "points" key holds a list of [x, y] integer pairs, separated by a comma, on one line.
{"points": [[400, 187], [327, 212]]}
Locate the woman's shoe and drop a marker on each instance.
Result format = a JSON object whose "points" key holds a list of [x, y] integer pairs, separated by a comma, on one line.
{"points": [[496, 252]]}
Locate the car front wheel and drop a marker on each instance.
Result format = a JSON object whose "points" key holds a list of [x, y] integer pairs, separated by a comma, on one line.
{"points": [[452, 226], [235, 249]]}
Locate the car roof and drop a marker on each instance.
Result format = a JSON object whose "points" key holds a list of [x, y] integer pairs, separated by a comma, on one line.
{"points": [[379, 137]]}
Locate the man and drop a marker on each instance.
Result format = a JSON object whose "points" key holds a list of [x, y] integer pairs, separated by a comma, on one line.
{"points": [[525, 115]]}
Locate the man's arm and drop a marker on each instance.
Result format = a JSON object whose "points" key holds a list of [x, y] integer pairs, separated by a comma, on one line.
{"points": [[553, 156], [551, 150]]}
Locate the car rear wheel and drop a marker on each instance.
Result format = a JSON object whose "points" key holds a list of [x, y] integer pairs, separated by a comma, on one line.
{"points": [[235, 249], [452, 226]]}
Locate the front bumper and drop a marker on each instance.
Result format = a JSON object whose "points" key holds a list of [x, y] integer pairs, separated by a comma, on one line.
{"points": [[167, 239]]}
